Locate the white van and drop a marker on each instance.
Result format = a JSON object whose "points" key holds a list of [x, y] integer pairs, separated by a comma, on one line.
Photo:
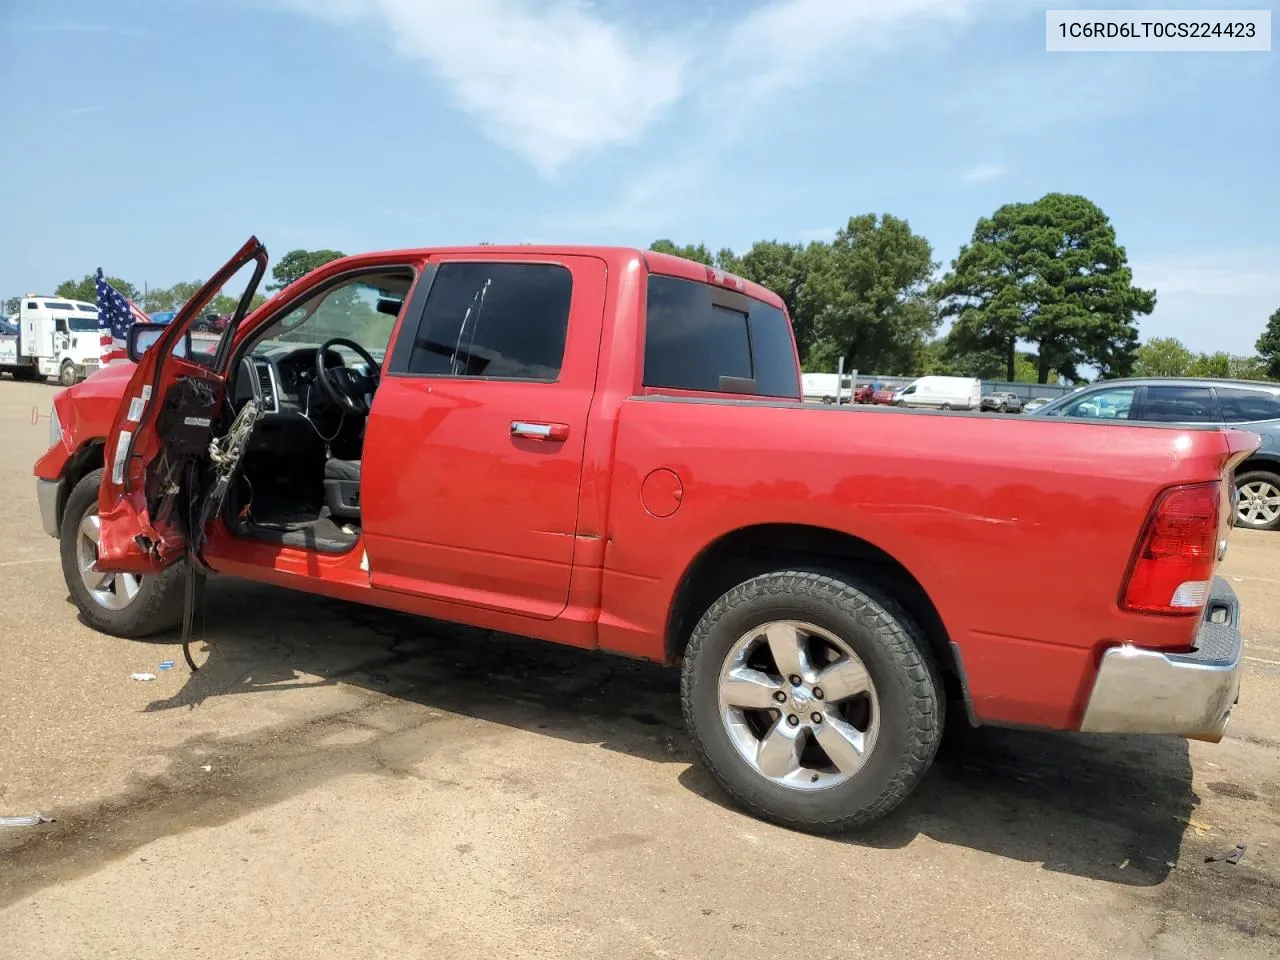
{"points": [[941, 393], [55, 337], [822, 387]]}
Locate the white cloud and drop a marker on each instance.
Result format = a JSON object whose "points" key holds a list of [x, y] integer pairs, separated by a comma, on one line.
{"points": [[558, 81], [549, 81], [984, 173], [1214, 300], [783, 44]]}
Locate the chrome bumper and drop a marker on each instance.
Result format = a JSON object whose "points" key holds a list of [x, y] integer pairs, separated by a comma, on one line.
{"points": [[48, 493], [1187, 694]]}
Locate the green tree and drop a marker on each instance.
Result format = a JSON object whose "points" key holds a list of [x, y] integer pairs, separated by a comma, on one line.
{"points": [[171, 298], [867, 295], [298, 263], [1227, 365], [1163, 357], [1268, 347], [11, 305], [695, 252], [86, 288], [1050, 273]]}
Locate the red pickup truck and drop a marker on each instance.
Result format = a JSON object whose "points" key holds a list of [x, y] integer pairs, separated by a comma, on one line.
{"points": [[607, 448]]}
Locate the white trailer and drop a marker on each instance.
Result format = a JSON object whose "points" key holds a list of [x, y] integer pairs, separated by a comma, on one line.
{"points": [[56, 337]]}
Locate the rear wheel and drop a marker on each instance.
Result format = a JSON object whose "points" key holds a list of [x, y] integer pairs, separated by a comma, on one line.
{"points": [[121, 604], [945, 406], [813, 701], [1258, 507], [67, 376]]}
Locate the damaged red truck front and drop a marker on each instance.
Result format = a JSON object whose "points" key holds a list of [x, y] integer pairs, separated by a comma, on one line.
{"points": [[606, 447]]}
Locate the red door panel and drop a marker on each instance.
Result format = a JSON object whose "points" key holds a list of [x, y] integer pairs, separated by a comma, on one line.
{"points": [[470, 486]]}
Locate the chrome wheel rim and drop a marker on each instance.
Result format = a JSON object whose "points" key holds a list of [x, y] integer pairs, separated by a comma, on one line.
{"points": [[1259, 503], [111, 591], [798, 705]]}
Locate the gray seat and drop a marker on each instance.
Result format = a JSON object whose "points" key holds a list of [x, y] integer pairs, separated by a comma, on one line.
{"points": [[342, 488], [335, 469]]}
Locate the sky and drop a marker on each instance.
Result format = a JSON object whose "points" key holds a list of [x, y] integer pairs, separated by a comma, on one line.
{"points": [[152, 137]]}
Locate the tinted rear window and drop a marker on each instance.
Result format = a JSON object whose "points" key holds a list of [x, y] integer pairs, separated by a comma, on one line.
{"points": [[695, 335], [1170, 404], [1240, 405]]}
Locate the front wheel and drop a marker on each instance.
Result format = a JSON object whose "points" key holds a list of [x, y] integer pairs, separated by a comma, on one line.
{"points": [[1258, 506], [121, 604], [813, 701], [67, 375]]}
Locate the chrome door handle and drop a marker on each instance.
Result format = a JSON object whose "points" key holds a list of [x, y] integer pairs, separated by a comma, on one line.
{"points": [[539, 431]]}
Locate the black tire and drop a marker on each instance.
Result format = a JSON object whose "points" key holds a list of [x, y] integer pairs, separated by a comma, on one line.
{"points": [[897, 659], [1004, 408], [1255, 476], [158, 604], [945, 406], [67, 376]]}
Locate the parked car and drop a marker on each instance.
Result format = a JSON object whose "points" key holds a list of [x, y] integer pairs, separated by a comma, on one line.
{"points": [[1248, 404], [571, 443], [883, 396], [1004, 401], [941, 393], [864, 392], [212, 323], [1035, 403]]}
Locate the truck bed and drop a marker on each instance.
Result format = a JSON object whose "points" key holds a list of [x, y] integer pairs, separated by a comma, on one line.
{"points": [[1013, 528]]}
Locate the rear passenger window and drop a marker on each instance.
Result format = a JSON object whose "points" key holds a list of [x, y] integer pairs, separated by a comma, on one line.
{"points": [[697, 335], [503, 320], [1241, 405], [1171, 404]]}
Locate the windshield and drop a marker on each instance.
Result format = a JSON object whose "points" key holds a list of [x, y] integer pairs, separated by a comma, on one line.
{"points": [[83, 324], [363, 309]]}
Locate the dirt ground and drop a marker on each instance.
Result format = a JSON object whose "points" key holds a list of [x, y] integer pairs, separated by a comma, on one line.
{"points": [[339, 781]]}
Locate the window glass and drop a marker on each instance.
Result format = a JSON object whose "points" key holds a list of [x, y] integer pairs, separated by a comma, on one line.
{"points": [[32, 305], [504, 320], [1176, 404], [1241, 405], [691, 343], [58, 305], [774, 353], [1113, 404], [362, 309]]}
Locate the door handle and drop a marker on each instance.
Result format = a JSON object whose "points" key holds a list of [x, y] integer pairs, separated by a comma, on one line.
{"points": [[539, 431]]}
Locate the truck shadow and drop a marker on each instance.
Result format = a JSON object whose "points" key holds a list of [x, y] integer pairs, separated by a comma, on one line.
{"points": [[1111, 808]]}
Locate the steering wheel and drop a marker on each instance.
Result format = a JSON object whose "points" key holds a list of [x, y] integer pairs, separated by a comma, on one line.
{"points": [[344, 386]]}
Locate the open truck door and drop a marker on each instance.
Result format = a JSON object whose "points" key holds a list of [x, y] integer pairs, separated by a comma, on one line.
{"points": [[160, 486]]}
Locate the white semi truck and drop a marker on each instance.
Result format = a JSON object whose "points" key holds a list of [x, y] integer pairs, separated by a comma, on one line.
{"points": [[55, 337]]}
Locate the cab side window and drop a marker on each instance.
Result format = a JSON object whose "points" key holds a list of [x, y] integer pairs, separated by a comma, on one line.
{"points": [[506, 321]]}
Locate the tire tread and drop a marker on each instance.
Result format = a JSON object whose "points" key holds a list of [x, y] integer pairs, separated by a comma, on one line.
{"points": [[904, 642]]}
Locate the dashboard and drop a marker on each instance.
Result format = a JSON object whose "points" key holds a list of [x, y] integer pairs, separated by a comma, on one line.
{"points": [[287, 380]]}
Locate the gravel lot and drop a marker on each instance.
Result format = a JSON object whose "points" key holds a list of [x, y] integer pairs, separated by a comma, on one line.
{"points": [[339, 781]]}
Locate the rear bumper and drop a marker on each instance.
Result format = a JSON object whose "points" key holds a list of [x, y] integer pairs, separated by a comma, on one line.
{"points": [[48, 496], [1187, 694]]}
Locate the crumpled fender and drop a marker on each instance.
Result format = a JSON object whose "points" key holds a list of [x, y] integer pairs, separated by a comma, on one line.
{"points": [[129, 543]]}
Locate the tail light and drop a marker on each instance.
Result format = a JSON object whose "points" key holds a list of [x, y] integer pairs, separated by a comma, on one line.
{"points": [[1180, 546]]}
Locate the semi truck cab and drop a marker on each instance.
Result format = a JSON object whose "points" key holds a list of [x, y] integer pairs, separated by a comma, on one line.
{"points": [[55, 337]]}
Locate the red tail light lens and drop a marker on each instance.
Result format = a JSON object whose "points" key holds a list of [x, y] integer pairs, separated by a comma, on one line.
{"points": [[1176, 557]]}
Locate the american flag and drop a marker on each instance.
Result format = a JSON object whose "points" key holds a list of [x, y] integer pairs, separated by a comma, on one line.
{"points": [[115, 316]]}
